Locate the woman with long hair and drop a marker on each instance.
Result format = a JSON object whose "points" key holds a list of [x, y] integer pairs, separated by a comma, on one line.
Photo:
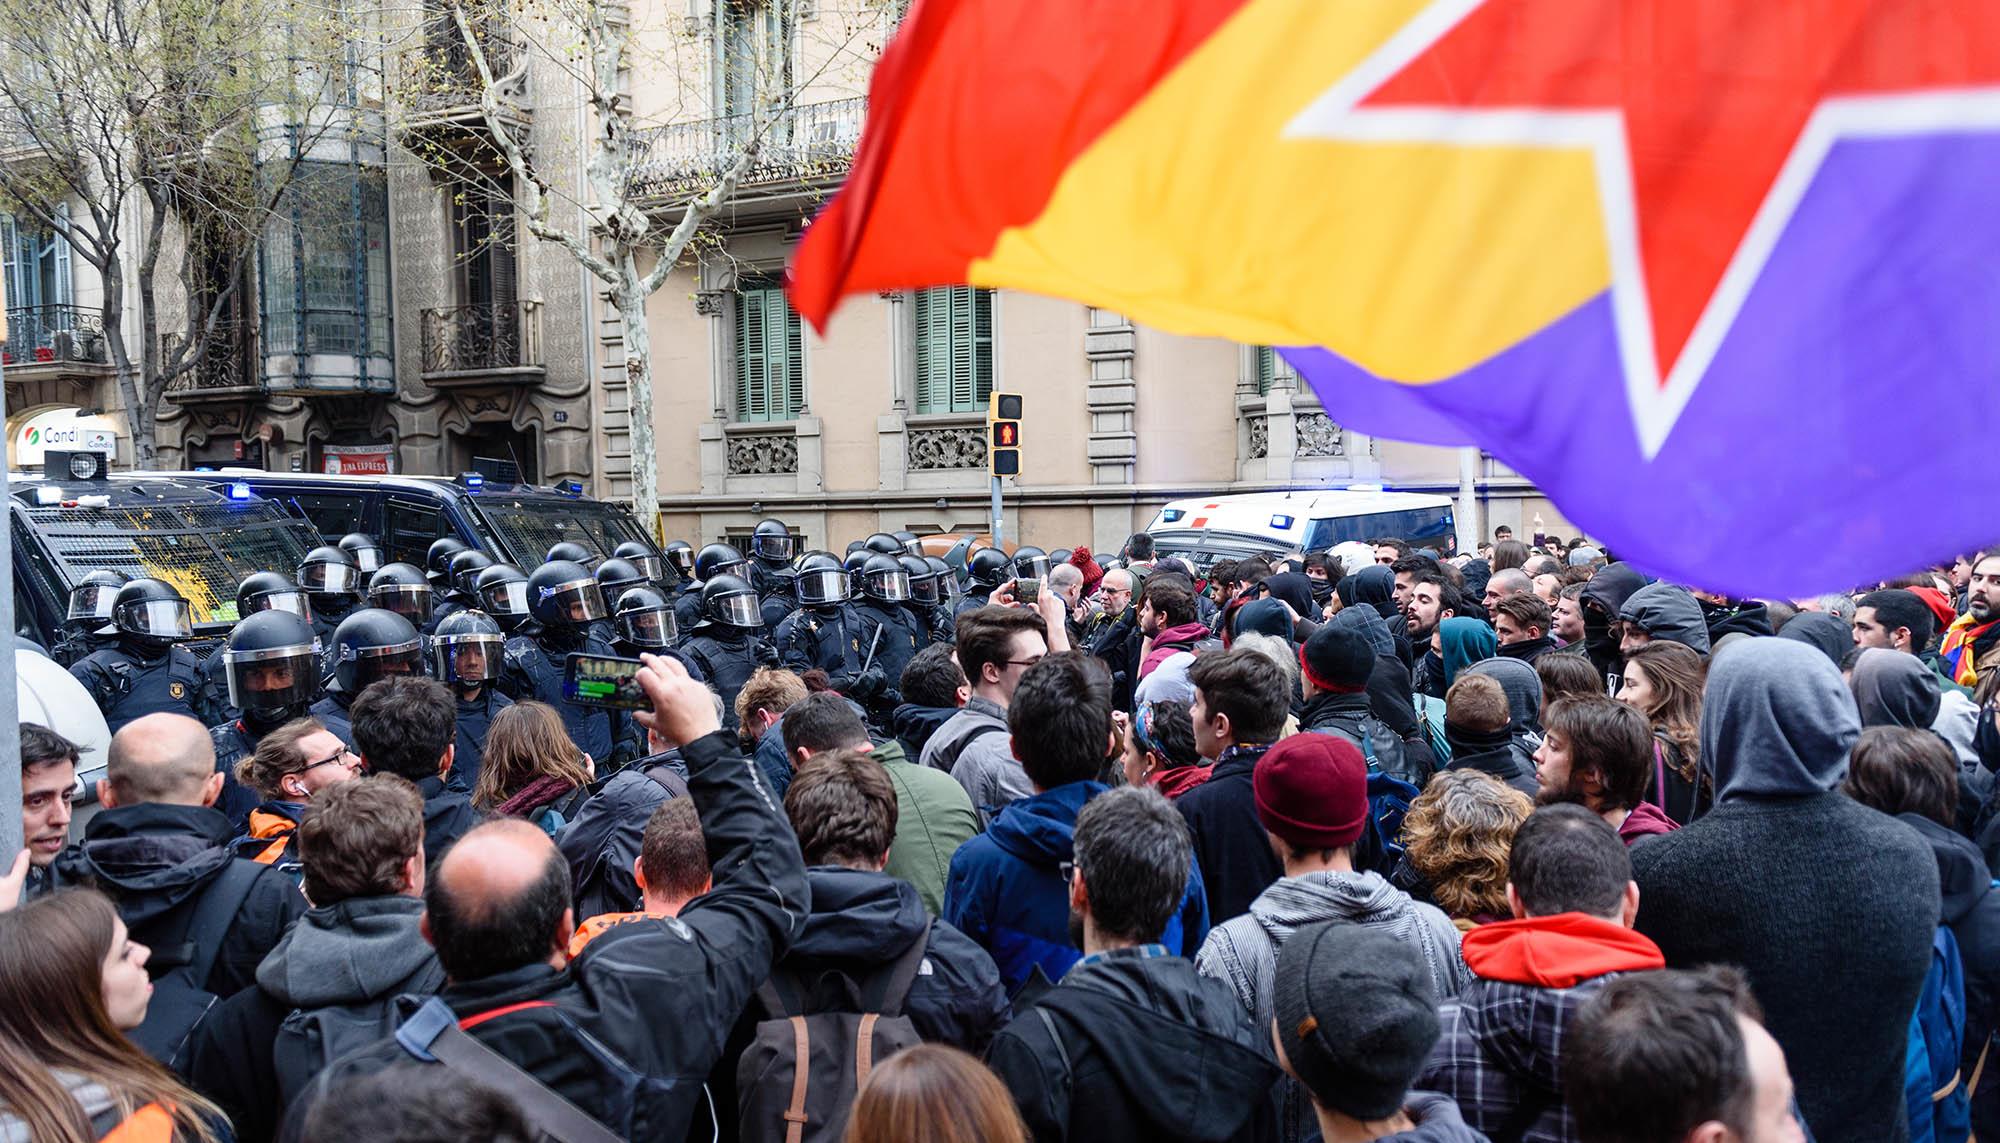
{"points": [[1664, 680], [71, 984], [530, 768], [1458, 834], [1159, 748], [933, 1094]]}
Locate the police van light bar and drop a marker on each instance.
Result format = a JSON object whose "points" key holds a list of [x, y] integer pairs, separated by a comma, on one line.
{"points": [[1170, 515], [573, 488], [473, 482], [240, 491], [1281, 523], [1364, 488]]}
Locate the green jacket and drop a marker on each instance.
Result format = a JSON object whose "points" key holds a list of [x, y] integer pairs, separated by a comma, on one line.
{"points": [[934, 816]]}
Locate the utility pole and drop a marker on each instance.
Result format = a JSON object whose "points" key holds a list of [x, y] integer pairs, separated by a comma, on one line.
{"points": [[1003, 449]]}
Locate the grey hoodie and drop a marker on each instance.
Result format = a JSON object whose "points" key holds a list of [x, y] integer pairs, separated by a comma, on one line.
{"points": [[360, 950], [1776, 721], [1243, 952], [1667, 612], [1894, 689]]}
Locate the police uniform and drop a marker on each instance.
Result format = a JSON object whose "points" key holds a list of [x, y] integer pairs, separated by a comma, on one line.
{"points": [[534, 661], [728, 660], [687, 607], [939, 622], [975, 598], [76, 642], [823, 638], [127, 687], [332, 714], [891, 636], [234, 741], [776, 594], [451, 605], [475, 718]]}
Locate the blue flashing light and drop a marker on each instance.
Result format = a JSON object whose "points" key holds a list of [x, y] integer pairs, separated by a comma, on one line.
{"points": [[1171, 514], [204, 468], [240, 491], [573, 488], [474, 483], [1282, 523]]}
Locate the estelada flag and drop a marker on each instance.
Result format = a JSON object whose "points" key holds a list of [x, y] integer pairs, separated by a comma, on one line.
{"points": [[1721, 276]]}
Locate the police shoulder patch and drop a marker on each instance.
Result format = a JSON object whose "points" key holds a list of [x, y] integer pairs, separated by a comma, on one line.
{"points": [[177, 689]]}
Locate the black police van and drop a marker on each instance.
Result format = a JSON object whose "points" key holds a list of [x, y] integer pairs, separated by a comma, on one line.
{"points": [[202, 537], [488, 510]]}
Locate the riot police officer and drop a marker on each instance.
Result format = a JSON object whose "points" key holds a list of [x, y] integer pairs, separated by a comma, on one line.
{"points": [[679, 555], [728, 643], [333, 585], [825, 632], [364, 551], [566, 606], [467, 652], [146, 671], [368, 645], [711, 561], [926, 601], [891, 634], [644, 621], [437, 561], [403, 589], [912, 546], [1031, 563], [271, 673], [771, 552], [88, 614], [855, 560], [616, 576], [641, 555], [502, 593], [461, 572], [259, 592], [573, 552], [985, 570], [883, 544], [950, 591]]}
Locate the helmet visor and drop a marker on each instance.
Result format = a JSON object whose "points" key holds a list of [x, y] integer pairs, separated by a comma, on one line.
{"points": [[737, 610], [578, 601], [924, 591], [817, 587], [775, 548], [272, 679], [1034, 567], [158, 618], [373, 663], [914, 546], [329, 579], [650, 628], [682, 559], [412, 601], [366, 559], [889, 587], [91, 601], [291, 601], [462, 659], [651, 567], [509, 597]]}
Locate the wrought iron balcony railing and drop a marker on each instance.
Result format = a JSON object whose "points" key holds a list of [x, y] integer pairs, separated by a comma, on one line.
{"points": [[438, 73], [481, 338], [225, 362], [40, 335], [808, 143]]}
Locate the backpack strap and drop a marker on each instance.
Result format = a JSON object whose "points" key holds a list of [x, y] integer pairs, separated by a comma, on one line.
{"points": [[434, 1034], [218, 906], [795, 1113], [895, 984], [666, 779]]}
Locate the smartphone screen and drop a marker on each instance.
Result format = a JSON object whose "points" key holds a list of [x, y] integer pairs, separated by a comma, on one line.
{"points": [[603, 680], [1027, 590]]}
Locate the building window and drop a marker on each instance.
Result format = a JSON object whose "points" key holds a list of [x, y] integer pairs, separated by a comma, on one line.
{"points": [[756, 55], [1272, 368], [37, 264], [326, 264], [770, 354], [954, 349]]}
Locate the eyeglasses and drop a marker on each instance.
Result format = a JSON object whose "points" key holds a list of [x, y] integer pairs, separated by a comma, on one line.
{"points": [[1020, 662], [1067, 871], [339, 757]]}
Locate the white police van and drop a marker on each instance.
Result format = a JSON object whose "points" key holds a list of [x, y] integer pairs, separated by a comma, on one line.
{"points": [[1203, 530]]}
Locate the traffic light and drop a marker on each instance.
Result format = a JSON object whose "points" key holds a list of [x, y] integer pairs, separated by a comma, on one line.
{"points": [[1003, 435]]}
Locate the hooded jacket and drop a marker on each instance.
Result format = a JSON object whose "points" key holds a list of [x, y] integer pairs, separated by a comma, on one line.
{"points": [[934, 817], [602, 840], [1602, 601], [1493, 754], [1465, 642], [155, 860], [1645, 820], [1243, 953], [913, 725], [1772, 880], [1668, 613], [448, 815], [1894, 689], [1830, 634], [1172, 641], [1007, 895], [1971, 906], [1135, 1048], [1500, 1048], [1742, 618], [975, 747], [1524, 704], [363, 950]]}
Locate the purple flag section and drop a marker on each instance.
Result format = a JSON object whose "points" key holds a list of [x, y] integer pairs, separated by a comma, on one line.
{"points": [[1845, 432]]}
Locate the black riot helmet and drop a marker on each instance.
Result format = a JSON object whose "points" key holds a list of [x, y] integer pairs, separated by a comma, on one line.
{"points": [[465, 649], [948, 587], [437, 561], [403, 589], [1031, 563], [730, 601], [501, 591], [646, 619], [642, 556], [271, 591], [771, 542], [563, 593], [364, 551], [272, 666], [923, 581], [151, 611], [912, 546], [573, 552], [329, 571], [884, 580], [373, 644], [615, 577], [1060, 556], [883, 543], [987, 567], [857, 558], [821, 581], [90, 600], [464, 568], [720, 559], [680, 555]]}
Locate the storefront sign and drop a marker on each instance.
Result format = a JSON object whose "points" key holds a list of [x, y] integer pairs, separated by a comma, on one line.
{"points": [[62, 430], [358, 460]]}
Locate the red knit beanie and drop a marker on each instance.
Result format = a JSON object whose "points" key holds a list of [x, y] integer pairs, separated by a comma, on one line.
{"points": [[1312, 790], [1092, 574]]}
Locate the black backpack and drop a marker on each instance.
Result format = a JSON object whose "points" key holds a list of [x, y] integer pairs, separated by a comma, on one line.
{"points": [[805, 1063], [310, 1038], [181, 999]]}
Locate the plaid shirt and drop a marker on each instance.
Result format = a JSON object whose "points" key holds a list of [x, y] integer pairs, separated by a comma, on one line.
{"points": [[1498, 1054]]}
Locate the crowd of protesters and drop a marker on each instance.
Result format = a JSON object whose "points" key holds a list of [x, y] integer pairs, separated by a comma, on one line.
{"points": [[1364, 844]]}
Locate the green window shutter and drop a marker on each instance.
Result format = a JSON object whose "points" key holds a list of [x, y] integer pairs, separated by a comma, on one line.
{"points": [[933, 348], [770, 354], [954, 349], [795, 359], [1267, 369], [982, 348], [750, 356]]}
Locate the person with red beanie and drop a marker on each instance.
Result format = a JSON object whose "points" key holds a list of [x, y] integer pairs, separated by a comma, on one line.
{"points": [[1499, 1057], [1311, 796]]}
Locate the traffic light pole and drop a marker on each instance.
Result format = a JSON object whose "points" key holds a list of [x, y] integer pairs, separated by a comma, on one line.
{"points": [[994, 527]]}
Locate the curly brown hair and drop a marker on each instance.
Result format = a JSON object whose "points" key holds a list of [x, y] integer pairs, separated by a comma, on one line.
{"points": [[1458, 833]]}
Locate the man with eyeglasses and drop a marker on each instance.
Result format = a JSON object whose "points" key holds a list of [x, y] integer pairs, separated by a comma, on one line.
{"points": [[292, 764], [996, 645]]}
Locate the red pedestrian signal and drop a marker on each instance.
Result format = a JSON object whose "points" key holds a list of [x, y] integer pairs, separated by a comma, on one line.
{"points": [[1003, 439]]}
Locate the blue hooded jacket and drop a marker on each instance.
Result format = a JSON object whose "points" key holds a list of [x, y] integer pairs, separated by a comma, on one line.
{"points": [[1006, 894]]}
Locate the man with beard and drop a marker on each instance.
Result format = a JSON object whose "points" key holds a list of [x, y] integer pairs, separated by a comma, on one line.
{"points": [[1521, 625], [1432, 600], [1968, 647], [1598, 753]]}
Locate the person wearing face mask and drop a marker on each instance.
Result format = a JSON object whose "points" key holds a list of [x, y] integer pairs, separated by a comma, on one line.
{"points": [[466, 654], [272, 671], [146, 671], [333, 583]]}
